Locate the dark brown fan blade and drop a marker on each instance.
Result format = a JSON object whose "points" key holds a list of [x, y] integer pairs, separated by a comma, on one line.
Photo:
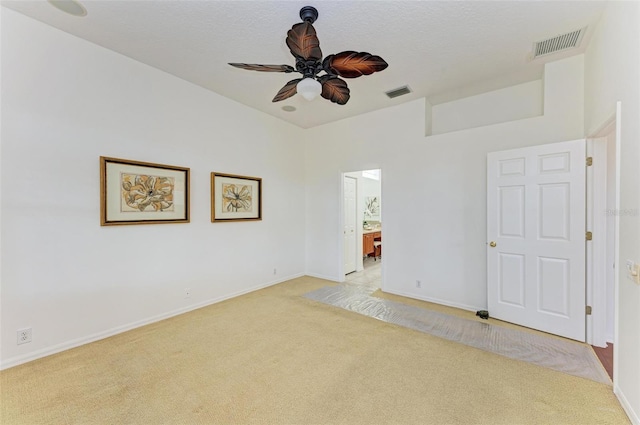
{"points": [[288, 90], [334, 89], [303, 42], [352, 64], [264, 68]]}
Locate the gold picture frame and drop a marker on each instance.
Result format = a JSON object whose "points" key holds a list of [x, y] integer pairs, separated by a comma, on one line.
{"points": [[235, 198], [136, 192]]}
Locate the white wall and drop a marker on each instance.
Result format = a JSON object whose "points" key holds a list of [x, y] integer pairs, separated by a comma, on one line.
{"points": [[612, 73], [434, 188], [509, 104], [65, 102]]}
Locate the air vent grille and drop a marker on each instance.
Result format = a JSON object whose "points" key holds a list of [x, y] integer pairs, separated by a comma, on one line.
{"points": [[556, 44], [398, 92]]}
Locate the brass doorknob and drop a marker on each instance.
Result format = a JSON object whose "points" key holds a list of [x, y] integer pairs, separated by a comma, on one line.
{"points": [[492, 244]]}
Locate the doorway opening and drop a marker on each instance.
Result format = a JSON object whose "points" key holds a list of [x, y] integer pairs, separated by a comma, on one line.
{"points": [[362, 227]]}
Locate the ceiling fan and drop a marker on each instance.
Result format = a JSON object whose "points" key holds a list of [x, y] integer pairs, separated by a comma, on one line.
{"points": [[305, 47]]}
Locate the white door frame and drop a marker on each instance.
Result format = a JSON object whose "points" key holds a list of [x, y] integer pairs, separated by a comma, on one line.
{"points": [[357, 229], [341, 274], [596, 286], [596, 249]]}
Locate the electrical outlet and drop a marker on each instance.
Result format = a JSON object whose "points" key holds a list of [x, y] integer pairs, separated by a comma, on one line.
{"points": [[24, 336], [418, 284], [633, 271], [275, 271], [187, 293]]}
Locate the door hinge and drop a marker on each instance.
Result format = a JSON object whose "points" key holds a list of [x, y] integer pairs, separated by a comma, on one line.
{"points": [[588, 310], [589, 161], [589, 236]]}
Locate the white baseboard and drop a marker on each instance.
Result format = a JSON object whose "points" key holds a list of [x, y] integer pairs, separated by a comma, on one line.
{"points": [[633, 416], [319, 276], [17, 360], [434, 300]]}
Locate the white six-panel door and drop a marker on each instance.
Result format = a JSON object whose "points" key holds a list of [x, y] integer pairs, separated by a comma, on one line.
{"points": [[350, 218], [536, 237]]}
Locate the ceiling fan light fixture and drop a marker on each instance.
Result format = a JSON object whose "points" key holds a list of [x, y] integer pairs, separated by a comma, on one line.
{"points": [[309, 88], [72, 7]]}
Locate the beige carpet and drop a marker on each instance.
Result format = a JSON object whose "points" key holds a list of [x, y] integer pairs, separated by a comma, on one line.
{"points": [[274, 357]]}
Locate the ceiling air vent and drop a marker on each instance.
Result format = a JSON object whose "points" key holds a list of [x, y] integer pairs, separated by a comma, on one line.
{"points": [[398, 92], [558, 43]]}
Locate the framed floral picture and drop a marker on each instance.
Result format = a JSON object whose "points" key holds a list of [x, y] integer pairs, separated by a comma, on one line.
{"points": [[235, 198], [134, 192], [372, 206]]}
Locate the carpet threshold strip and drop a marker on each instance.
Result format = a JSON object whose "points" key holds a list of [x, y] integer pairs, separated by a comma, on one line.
{"points": [[564, 356]]}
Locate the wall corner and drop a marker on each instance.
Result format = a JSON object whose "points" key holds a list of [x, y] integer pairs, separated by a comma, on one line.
{"points": [[428, 112]]}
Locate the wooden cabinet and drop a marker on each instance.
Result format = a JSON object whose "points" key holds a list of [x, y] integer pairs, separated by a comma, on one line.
{"points": [[367, 243]]}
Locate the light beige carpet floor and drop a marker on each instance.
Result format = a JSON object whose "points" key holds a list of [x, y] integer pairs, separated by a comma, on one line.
{"points": [[274, 357]]}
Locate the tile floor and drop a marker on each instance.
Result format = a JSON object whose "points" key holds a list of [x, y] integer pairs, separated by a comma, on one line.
{"points": [[370, 276]]}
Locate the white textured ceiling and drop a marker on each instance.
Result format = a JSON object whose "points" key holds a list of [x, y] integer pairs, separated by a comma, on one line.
{"points": [[441, 49]]}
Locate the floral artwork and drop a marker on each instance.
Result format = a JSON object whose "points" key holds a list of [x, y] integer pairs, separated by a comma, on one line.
{"points": [[135, 192], [372, 205], [146, 193], [236, 197]]}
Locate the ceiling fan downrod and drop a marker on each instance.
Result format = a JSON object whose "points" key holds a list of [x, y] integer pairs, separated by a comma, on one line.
{"points": [[309, 14]]}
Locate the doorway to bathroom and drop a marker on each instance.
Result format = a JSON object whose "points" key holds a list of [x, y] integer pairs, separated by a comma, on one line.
{"points": [[362, 226]]}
